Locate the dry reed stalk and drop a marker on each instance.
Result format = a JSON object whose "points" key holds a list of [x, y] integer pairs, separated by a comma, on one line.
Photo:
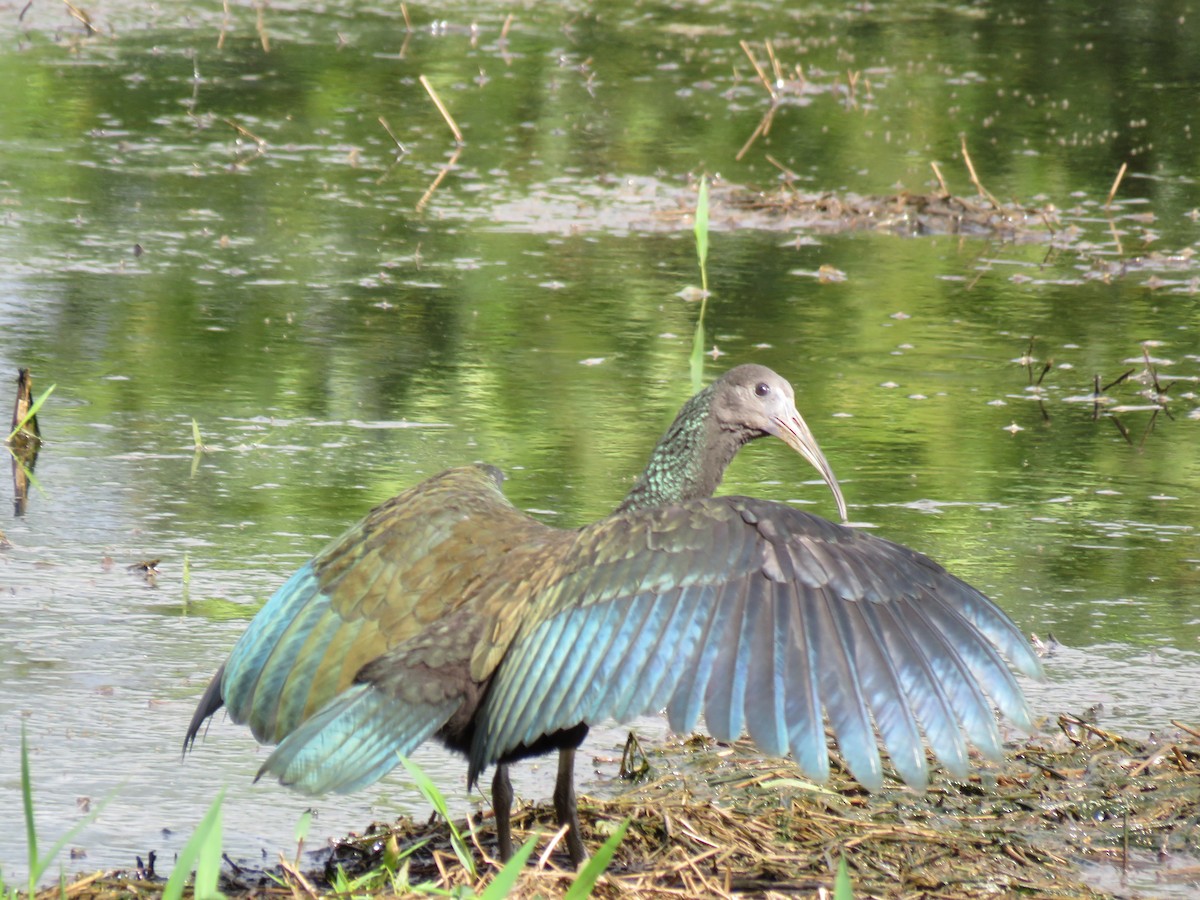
{"points": [[247, 133], [388, 128], [762, 76], [983, 192], [300, 886], [437, 181], [764, 127], [1182, 727], [852, 77], [80, 16], [775, 67], [788, 174], [437, 101], [941, 180], [1115, 185], [225, 20], [260, 25]]}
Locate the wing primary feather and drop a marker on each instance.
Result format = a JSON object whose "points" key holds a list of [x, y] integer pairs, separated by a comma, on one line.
{"points": [[841, 693], [881, 687], [991, 621], [579, 673], [767, 663], [685, 704], [500, 718], [926, 695], [665, 651], [252, 656], [633, 653], [533, 667], [678, 651], [353, 741], [971, 708], [308, 659], [806, 725], [982, 659], [722, 706], [267, 720]]}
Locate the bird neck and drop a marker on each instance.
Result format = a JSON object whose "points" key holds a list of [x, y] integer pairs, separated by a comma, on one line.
{"points": [[689, 460]]}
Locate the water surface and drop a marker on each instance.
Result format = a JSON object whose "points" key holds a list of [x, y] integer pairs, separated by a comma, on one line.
{"points": [[219, 228]]}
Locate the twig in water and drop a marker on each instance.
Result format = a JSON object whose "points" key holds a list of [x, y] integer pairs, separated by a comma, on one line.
{"points": [[775, 67], [407, 20], [941, 180], [1112, 229], [437, 181], [224, 24], [1124, 431], [441, 108], [1115, 381], [260, 26], [1046, 368], [260, 145], [1192, 731], [983, 192], [392, 135], [81, 16], [764, 127], [762, 76], [852, 77], [1116, 184], [1153, 374], [787, 173], [1049, 227]]}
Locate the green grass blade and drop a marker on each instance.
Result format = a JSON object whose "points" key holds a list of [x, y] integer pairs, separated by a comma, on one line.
{"points": [[208, 865], [39, 864], [696, 359], [203, 849], [32, 411], [507, 877], [842, 888], [430, 792], [594, 868], [701, 229], [27, 803], [301, 827], [44, 863]]}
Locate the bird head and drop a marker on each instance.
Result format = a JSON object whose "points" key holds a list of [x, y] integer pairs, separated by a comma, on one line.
{"points": [[762, 402]]}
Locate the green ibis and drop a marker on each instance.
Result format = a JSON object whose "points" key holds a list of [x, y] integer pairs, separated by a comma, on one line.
{"points": [[447, 613]]}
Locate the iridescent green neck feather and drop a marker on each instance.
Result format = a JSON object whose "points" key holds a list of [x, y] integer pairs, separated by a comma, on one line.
{"points": [[690, 459]]}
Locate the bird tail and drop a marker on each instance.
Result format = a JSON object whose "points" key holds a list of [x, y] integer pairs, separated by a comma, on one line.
{"points": [[212, 700], [354, 740]]}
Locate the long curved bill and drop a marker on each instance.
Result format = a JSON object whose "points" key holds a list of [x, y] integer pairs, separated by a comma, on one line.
{"points": [[793, 431]]}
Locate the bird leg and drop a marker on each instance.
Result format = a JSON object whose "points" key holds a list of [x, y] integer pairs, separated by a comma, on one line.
{"points": [[502, 798], [564, 805]]}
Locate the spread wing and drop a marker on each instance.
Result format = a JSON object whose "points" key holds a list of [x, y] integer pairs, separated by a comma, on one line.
{"points": [[766, 619], [409, 563]]}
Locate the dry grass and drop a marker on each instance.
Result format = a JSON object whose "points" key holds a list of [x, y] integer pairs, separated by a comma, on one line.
{"points": [[717, 820], [938, 212]]}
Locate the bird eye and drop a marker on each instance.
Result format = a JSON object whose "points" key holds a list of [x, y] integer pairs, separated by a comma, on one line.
{"points": [[762, 389]]}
